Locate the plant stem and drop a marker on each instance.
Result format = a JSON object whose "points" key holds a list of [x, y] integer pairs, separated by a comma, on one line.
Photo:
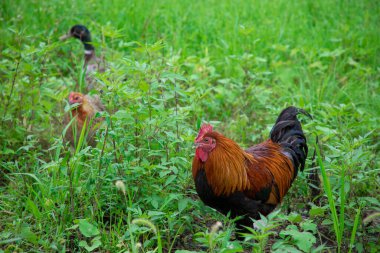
{"points": [[12, 88]]}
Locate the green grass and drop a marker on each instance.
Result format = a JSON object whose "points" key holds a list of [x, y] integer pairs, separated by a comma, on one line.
{"points": [[172, 65]]}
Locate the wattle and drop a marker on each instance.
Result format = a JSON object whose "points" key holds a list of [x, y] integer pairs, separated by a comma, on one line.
{"points": [[201, 154]]}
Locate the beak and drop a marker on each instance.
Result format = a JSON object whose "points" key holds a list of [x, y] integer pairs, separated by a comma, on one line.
{"points": [[65, 37], [73, 105], [196, 144]]}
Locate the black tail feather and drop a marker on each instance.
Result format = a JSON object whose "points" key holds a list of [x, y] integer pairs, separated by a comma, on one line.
{"points": [[287, 131]]}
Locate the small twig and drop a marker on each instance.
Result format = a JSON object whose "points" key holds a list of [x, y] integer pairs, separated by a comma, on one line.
{"points": [[176, 114], [327, 238], [114, 143], [33, 111], [102, 152], [100, 168], [167, 149], [7, 212], [118, 159], [11, 93], [71, 189], [313, 178], [136, 139]]}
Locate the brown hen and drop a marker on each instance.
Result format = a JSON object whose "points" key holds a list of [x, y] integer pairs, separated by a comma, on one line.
{"points": [[83, 115]]}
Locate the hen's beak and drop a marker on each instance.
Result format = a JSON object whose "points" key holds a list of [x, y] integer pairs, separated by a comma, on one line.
{"points": [[196, 144], [65, 37], [73, 105]]}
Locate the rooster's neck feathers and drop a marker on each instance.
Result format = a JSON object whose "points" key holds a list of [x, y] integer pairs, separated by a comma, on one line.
{"points": [[225, 167]]}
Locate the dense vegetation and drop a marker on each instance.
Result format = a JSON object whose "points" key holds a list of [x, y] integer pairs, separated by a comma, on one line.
{"points": [[171, 65]]}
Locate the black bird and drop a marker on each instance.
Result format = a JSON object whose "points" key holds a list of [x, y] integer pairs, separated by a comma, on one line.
{"points": [[92, 63]]}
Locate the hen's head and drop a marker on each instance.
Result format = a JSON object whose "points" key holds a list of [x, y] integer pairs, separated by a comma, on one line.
{"points": [[75, 97], [204, 142]]}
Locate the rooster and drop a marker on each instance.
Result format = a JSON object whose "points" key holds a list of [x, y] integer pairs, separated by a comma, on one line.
{"points": [[83, 114], [249, 182]]}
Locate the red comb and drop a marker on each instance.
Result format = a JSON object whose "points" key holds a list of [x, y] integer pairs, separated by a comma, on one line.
{"points": [[205, 128]]}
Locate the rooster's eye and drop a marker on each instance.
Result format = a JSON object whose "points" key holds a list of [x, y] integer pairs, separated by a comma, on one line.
{"points": [[206, 139]]}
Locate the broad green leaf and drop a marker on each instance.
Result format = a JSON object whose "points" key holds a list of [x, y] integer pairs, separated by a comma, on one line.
{"points": [[182, 204], [282, 247], [294, 217], [87, 229], [28, 235], [303, 240], [170, 179], [309, 226], [33, 208], [95, 244], [316, 211], [232, 247]]}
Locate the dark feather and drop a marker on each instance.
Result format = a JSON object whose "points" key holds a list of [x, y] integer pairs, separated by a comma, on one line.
{"points": [[287, 131]]}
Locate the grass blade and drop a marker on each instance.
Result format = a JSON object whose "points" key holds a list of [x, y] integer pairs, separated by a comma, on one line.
{"points": [[327, 187]]}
